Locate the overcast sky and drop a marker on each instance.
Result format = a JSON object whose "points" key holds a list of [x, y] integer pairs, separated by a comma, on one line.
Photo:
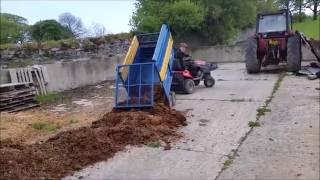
{"points": [[113, 14]]}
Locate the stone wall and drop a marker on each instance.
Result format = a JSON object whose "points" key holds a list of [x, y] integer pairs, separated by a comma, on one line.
{"points": [[74, 50]]}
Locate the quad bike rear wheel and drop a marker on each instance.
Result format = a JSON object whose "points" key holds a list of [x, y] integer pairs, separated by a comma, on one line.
{"points": [[209, 81], [294, 54], [253, 64], [188, 86]]}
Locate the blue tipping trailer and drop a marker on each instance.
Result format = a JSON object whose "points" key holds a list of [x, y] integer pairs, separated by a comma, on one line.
{"points": [[146, 71]]}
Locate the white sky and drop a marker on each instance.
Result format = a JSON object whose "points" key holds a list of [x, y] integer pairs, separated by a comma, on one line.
{"points": [[113, 14]]}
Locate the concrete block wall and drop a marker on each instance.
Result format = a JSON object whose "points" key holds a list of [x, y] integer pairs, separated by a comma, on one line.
{"points": [[233, 53], [73, 74], [76, 73]]}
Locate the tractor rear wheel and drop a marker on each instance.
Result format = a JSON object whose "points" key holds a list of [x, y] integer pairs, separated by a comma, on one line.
{"points": [[253, 64], [294, 54]]}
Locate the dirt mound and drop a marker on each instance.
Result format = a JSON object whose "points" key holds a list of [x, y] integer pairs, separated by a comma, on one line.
{"points": [[72, 150]]}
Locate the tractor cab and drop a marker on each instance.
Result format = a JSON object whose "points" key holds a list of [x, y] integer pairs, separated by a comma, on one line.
{"points": [[274, 42], [277, 24]]}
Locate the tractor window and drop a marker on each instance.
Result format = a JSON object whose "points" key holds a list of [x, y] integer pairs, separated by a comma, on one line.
{"points": [[272, 23]]}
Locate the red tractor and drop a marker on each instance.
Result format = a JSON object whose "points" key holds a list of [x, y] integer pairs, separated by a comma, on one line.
{"points": [[274, 42]]}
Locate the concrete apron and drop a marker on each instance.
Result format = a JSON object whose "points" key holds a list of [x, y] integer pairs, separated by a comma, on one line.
{"points": [[286, 146], [217, 120]]}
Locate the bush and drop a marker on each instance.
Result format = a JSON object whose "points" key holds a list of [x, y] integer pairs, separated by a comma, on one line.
{"points": [[7, 46], [50, 44], [30, 47], [88, 45]]}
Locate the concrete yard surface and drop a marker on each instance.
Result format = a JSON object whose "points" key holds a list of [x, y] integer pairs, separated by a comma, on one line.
{"points": [[286, 146], [218, 120]]}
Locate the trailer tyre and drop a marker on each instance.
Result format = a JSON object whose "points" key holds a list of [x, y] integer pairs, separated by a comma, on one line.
{"points": [[188, 86], [172, 99], [294, 54], [253, 64]]}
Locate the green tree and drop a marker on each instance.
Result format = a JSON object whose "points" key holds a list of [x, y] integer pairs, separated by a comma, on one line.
{"points": [[266, 5], [214, 21], [49, 30], [12, 28], [183, 16], [224, 18], [314, 6]]}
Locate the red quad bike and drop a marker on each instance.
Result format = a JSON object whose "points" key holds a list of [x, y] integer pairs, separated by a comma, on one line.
{"points": [[274, 42], [185, 80]]}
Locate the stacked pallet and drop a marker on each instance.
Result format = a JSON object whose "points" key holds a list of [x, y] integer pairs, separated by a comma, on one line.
{"points": [[17, 96]]}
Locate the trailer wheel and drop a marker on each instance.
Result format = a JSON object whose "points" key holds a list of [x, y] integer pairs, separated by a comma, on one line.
{"points": [[294, 54], [172, 99], [253, 64], [188, 86]]}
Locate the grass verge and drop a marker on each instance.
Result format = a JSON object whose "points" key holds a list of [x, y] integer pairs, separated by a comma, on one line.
{"points": [[50, 97], [309, 28]]}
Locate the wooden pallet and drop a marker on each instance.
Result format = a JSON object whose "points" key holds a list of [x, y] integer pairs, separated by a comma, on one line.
{"points": [[16, 97]]}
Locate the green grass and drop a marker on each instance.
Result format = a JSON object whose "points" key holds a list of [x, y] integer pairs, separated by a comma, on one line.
{"points": [[154, 144], [228, 162], [47, 126], [50, 97], [261, 111], [309, 28], [253, 124]]}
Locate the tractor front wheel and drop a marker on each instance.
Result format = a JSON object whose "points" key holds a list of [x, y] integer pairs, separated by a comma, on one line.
{"points": [[253, 64], [294, 54]]}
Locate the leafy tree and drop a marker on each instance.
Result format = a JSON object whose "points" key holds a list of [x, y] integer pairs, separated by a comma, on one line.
{"points": [[224, 18], [298, 6], [213, 21], [266, 5], [183, 16], [49, 30], [12, 28], [74, 24], [314, 6]]}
